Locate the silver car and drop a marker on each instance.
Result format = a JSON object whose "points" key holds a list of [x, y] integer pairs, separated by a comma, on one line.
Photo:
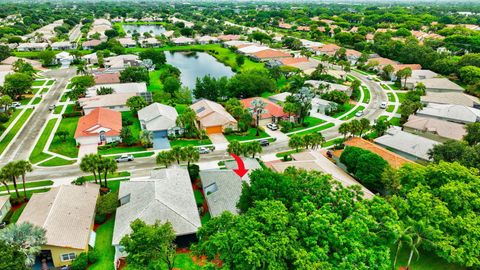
{"points": [[203, 150], [359, 114], [124, 158]]}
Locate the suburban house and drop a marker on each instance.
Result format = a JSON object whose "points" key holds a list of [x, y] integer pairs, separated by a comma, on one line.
{"points": [[120, 62], [117, 102], [207, 40], [212, 117], [136, 88], [328, 86], [423, 74], [222, 188], [316, 161], [67, 214], [63, 58], [99, 126], [63, 46], [99, 26], [453, 113], [398, 67], [228, 37], [91, 58], [380, 62], [12, 59], [322, 106], [328, 49], [107, 78], [394, 160], [183, 41], [160, 119], [91, 44], [435, 85], [273, 113], [251, 48], [280, 98], [150, 43], [27, 47], [166, 196], [127, 42], [307, 65], [352, 56], [269, 54], [435, 129], [408, 145], [454, 98], [5, 206]]}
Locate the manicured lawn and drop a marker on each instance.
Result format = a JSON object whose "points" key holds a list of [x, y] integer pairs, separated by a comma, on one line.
{"points": [[13, 195], [69, 147], [390, 108], [155, 83], [70, 108], [198, 197], [25, 100], [312, 121], [286, 153], [37, 154], [38, 83], [15, 129], [314, 130], [401, 97], [135, 127], [13, 116], [182, 143], [110, 175], [366, 94], [352, 114], [58, 109], [36, 100], [121, 150], [395, 121], [33, 184], [56, 161], [50, 82], [347, 107], [391, 97], [249, 135], [63, 98], [384, 86], [267, 94], [394, 86], [103, 246], [333, 142]]}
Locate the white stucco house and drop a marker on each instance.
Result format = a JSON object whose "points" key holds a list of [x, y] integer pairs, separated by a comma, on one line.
{"points": [[99, 126]]}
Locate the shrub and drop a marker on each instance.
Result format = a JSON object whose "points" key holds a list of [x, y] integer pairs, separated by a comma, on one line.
{"points": [[71, 114], [107, 204], [17, 201], [127, 122], [286, 126], [228, 131], [99, 219], [79, 181], [194, 172], [93, 256], [4, 117], [80, 263]]}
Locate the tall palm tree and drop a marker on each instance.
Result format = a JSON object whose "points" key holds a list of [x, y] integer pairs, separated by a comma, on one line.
{"points": [[89, 164], [106, 166], [146, 138], [24, 166], [178, 154], [4, 181], [191, 155], [11, 173], [82, 68], [344, 129], [257, 110], [404, 237], [164, 158], [416, 240], [28, 237]]}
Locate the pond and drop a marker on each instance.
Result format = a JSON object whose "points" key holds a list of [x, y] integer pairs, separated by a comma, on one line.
{"points": [[193, 65], [153, 29]]}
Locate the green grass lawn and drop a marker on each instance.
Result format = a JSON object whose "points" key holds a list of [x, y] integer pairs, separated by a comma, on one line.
{"points": [[155, 83], [121, 150], [110, 175], [37, 154], [314, 130], [50, 82], [58, 109], [135, 127], [286, 153], [391, 97], [401, 97], [249, 135], [36, 100], [384, 86], [352, 114], [34, 184], [63, 98], [56, 161], [395, 121], [103, 246], [70, 108], [13, 116], [390, 108], [198, 197], [347, 107], [25, 101], [68, 148], [13, 195], [15, 129], [394, 86], [45, 90], [38, 83], [366, 94], [312, 121], [140, 155], [183, 143]]}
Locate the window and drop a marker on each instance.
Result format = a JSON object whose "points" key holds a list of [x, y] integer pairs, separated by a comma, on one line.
{"points": [[211, 188], [125, 199], [68, 256]]}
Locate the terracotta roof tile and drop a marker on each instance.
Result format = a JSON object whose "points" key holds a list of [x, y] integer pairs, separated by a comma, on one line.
{"points": [[99, 117], [292, 61], [271, 108], [107, 78], [269, 53]]}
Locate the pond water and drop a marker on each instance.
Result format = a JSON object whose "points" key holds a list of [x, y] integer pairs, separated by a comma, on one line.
{"points": [[154, 29], [195, 65]]}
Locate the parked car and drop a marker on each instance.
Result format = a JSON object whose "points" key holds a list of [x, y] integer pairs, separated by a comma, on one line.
{"points": [[272, 126], [383, 105], [16, 104], [264, 142], [359, 114], [124, 158], [51, 107], [203, 150]]}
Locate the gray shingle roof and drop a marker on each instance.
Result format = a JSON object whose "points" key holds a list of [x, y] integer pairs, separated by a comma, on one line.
{"points": [[166, 196], [222, 189], [158, 116]]}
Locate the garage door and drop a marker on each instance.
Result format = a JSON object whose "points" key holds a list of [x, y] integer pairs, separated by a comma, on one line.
{"points": [[213, 130], [160, 140]]}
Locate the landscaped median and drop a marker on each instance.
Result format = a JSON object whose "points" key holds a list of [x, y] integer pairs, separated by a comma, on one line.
{"points": [[352, 113], [56, 161], [37, 154], [247, 136], [15, 129], [313, 130], [366, 94]]}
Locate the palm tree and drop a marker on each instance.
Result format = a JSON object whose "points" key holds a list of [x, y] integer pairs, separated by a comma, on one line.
{"points": [[417, 239], [253, 148], [89, 164], [5, 102], [164, 158], [10, 172], [82, 68], [257, 110], [364, 125], [146, 138], [403, 238], [4, 181], [317, 140], [295, 142], [178, 154], [107, 165], [28, 237], [191, 155], [23, 167], [344, 129]]}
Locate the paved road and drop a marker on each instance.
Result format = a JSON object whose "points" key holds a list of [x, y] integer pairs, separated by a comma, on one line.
{"points": [[22, 146], [75, 33]]}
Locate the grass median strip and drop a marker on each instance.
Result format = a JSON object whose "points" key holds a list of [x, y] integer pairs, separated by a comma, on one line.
{"points": [[366, 94], [35, 184], [68, 147], [314, 130], [15, 129], [37, 154], [352, 114], [56, 161]]}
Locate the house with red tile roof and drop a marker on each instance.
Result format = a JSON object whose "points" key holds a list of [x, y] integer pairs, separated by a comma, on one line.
{"points": [[99, 126], [228, 37], [273, 113], [293, 60], [329, 49], [269, 54], [107, 78], [303, 28], [352, 56], [284, 25]]}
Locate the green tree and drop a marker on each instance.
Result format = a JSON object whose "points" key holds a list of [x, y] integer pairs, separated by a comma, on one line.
{"points": [[473, 134], [252, 148], [148, 245], [17, 84], [187, 120], [5, 102], [165, 158], [171, 85], [381, 126], [27, 237], [257, 109], [191, 155], [470, 74], [89, 164], [47, 58], [62, 134], [106, 166], [23, 167], [344, 129], [22, 66], [388, 70], [178, 154], [146, 138], [127, 136], [135, 74], [364, 126], [84, 81], [11, 256], [296, 142], [136, 103], [235, 147], [10, 172], [157, 57], [250, 83]]}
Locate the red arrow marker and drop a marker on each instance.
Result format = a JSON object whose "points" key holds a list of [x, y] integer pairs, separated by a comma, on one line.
{"points": [[241, 171]]}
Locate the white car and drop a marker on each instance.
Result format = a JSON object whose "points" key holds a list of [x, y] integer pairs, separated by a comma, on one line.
{"points": [[383, 105], [203, 150], [124, 158], [272, 126], [359, 114], [16, 104]]}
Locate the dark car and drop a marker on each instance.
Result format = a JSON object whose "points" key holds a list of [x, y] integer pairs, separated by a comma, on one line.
{"points": [[264, 143]]}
